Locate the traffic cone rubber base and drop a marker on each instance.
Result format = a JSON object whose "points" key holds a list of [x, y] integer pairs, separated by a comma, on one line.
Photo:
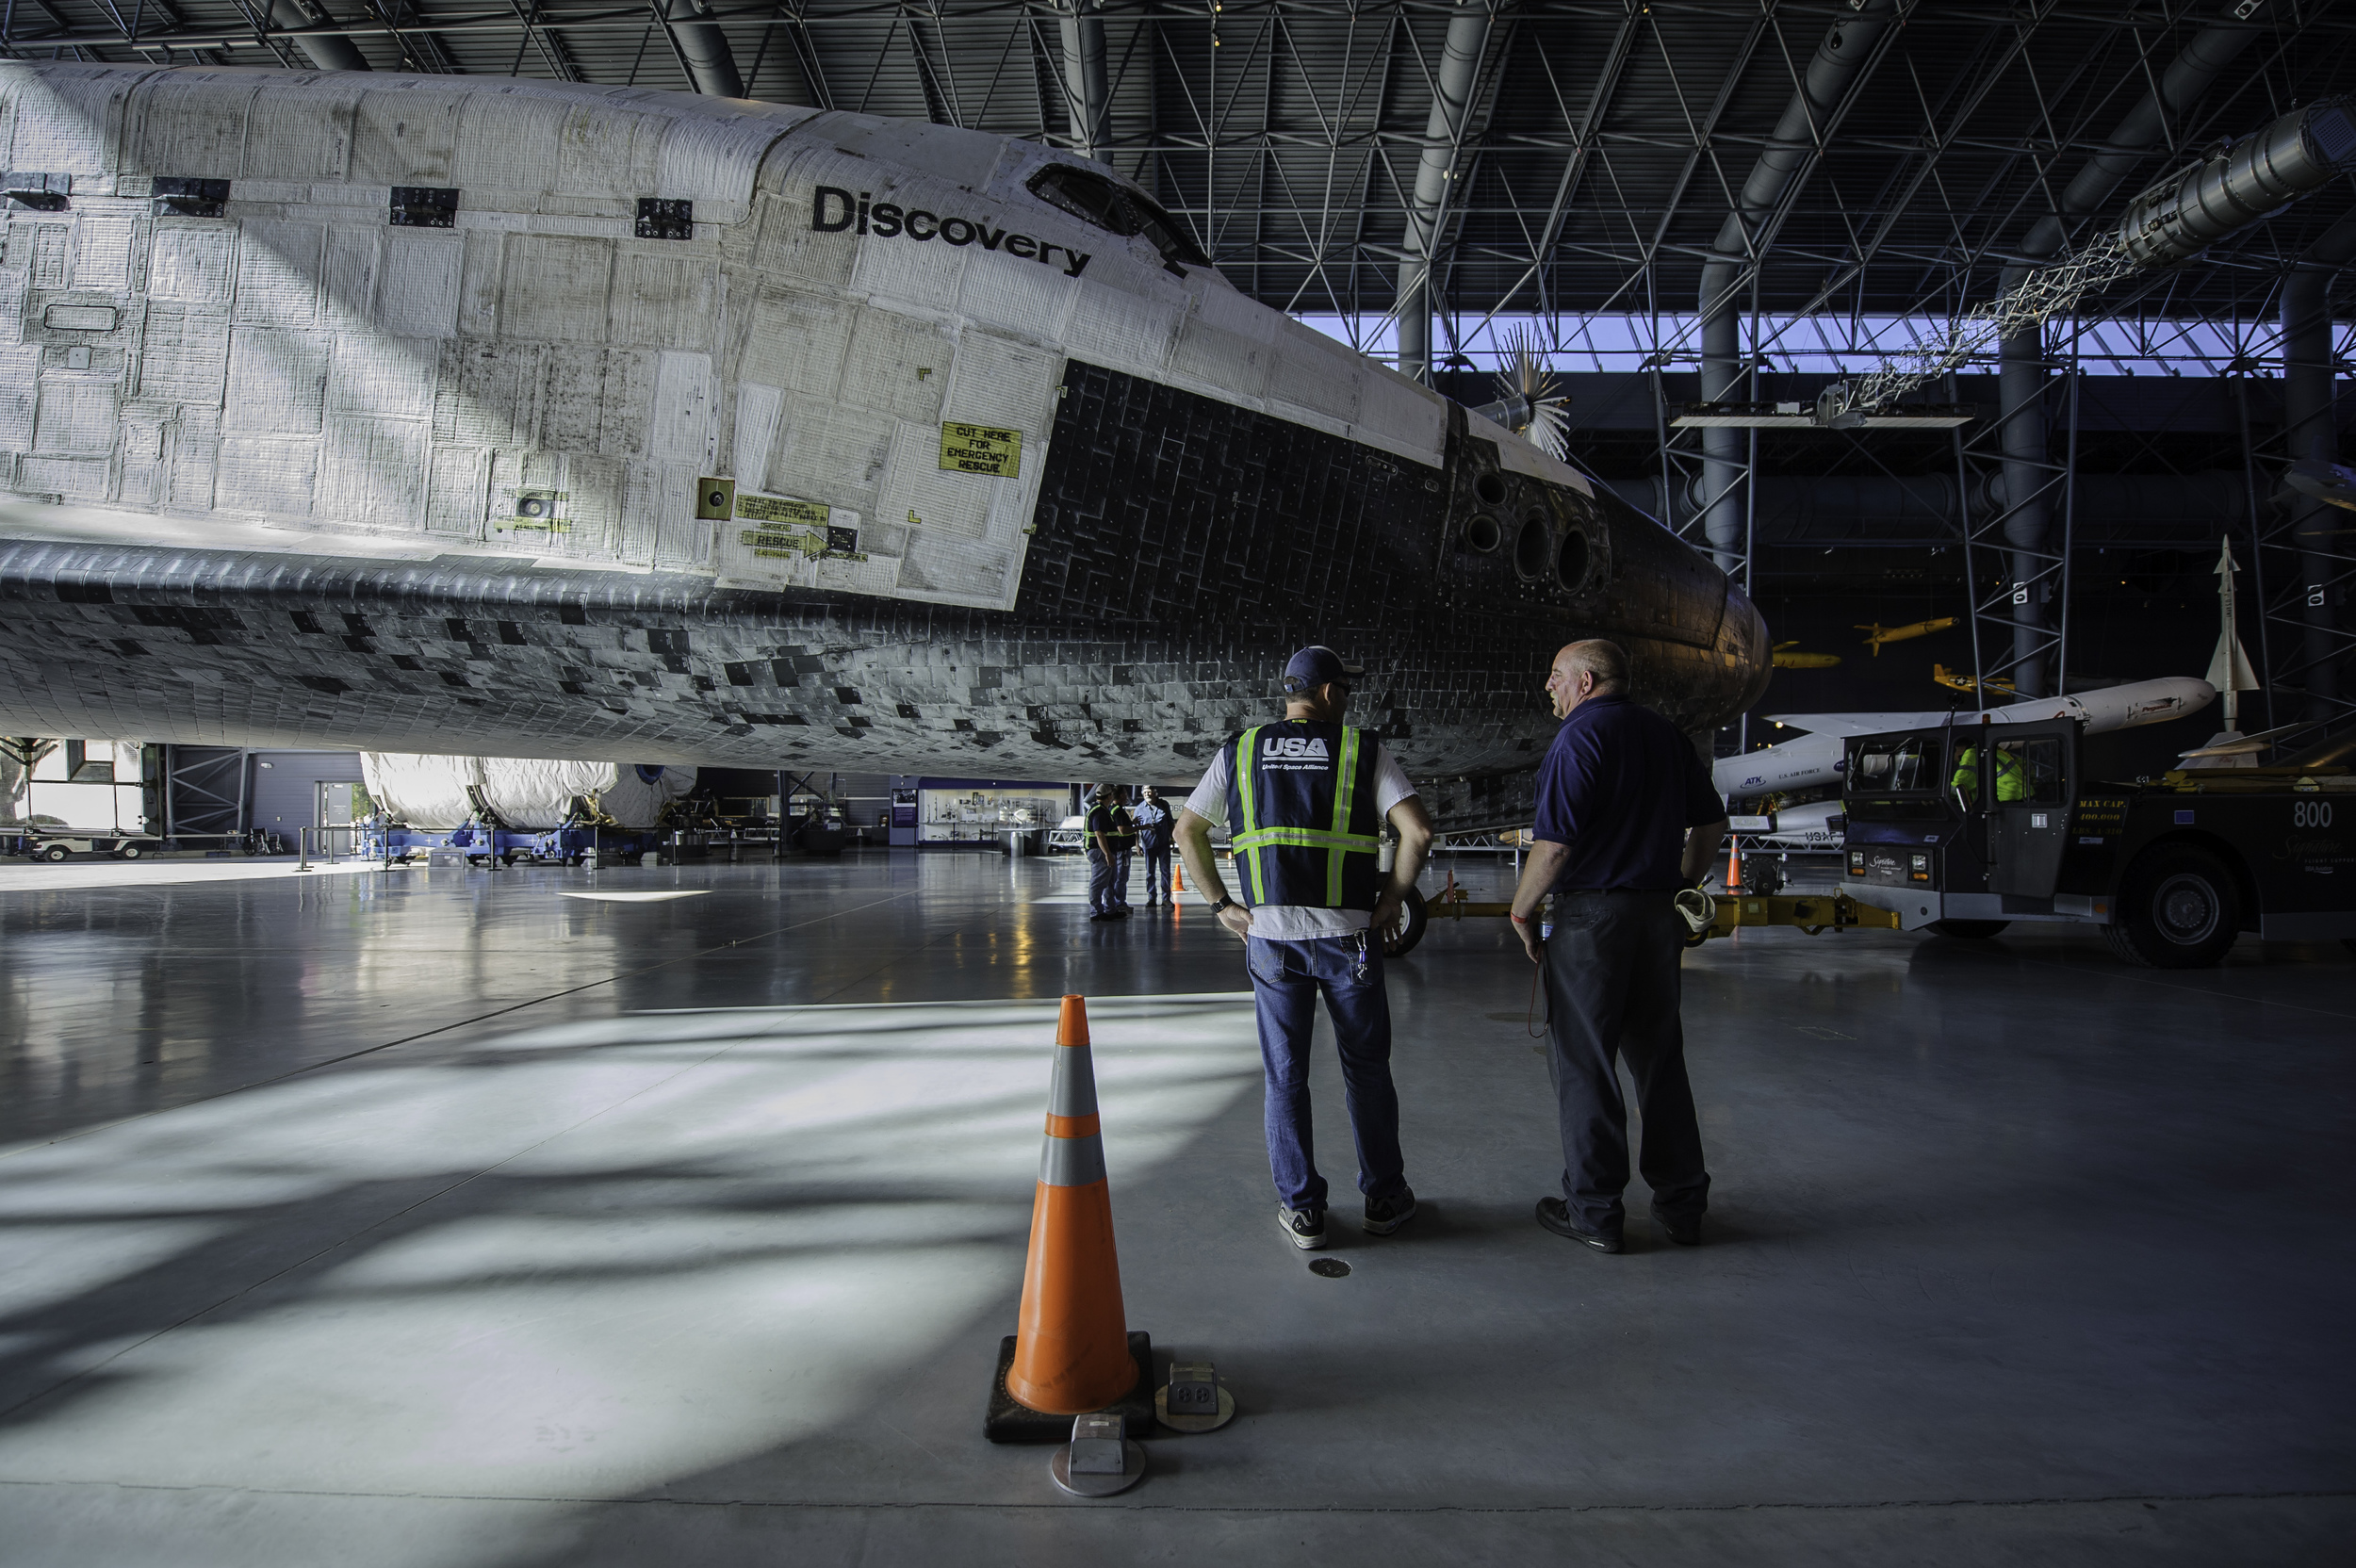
{"points": [[1011, 1422]]}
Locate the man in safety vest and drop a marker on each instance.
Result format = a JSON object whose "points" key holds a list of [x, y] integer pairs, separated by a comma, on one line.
{"points": [[1305, 801], [2010, 784]]}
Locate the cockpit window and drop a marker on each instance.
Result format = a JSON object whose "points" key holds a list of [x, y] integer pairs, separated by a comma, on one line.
{"points": [[1110, 204]]}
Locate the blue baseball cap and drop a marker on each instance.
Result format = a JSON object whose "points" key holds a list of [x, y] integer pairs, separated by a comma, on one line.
{"points": [[1316, 666]]}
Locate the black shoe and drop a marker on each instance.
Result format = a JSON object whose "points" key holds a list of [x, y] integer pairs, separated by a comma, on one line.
{"points": [[1685, 1232], [1305, 1227], [1103, 914], [1385, 1215], [1555, 1215], [1118, 912]]}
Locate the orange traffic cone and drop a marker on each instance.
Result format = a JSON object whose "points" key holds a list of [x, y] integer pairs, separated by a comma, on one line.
{"points": [[1073, 1352], [1177, 875]]}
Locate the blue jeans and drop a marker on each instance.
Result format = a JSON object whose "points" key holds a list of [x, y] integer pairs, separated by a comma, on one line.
{"points": [[1101, 882], [1121, 877], [1286, 978], [1157, 874]]}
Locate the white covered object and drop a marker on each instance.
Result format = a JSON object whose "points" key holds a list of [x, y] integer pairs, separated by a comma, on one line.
{"points": [[431, 792]]}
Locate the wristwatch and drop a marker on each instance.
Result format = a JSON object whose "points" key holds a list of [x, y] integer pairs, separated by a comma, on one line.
{"points": [[1225, 902]]}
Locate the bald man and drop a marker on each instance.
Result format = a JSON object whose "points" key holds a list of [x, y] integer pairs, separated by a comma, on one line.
{"points": [[1627, 817]]}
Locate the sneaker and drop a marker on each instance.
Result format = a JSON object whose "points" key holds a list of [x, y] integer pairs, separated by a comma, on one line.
{"points": [[1305, 1228], [1555, 1215], [1385, 1215], [1685, 1232]]}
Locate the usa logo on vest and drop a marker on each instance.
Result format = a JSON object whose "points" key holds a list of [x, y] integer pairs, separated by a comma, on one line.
{"points": [[1295, 748]]}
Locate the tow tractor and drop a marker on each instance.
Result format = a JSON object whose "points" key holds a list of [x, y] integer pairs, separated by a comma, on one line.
{"points": [[1966, 828]]}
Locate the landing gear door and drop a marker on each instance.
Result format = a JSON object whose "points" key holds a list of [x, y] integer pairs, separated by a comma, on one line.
{"points": [[2035, 786]]}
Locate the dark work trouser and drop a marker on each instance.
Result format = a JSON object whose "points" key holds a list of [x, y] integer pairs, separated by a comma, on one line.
{"points": [[1157, 872], [1286, 979], [1611, 990], [1100, 896]]}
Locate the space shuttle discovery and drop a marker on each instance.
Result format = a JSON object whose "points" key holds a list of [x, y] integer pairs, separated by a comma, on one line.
{"points": [[459, 415]]}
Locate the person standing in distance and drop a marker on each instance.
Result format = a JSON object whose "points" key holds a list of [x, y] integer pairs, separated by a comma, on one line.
{"points": [[1124, 851], [1154, 842], [1105, 855], [1627, 818], [1305, 800]]}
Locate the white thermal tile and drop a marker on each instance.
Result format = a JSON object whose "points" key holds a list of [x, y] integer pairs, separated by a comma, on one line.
{"points": [[67, 120], [757, 410], [383, 375], [951, 570], [101, 251], [797, 341], [353, 256], [898, 365], [626, 414], [1392, 406], [1019, 295], [279, 267], [680, 538], [195, 454], [301, 131], [488, 395], [955, 156], [1229, 366], [77, 414], [572, 396], [604, 148], [789, 246], [920, 492], [555, 288], [277, 381], [711, 154], [75, 477], [417, 287], [194, 127], [457, 487], [405, 136], [663, 301], [265, 474], [372, 472], [1217, 305], [832, 453], [1003, 383], [184, 354], [1121, 331], [1314, 378], [479, 284], [52, 254], [508, 140], [925, 274], [682, 429], [20, 394]]}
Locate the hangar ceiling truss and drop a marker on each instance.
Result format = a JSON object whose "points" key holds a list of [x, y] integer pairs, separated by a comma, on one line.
{"points": [[1604, 143]]}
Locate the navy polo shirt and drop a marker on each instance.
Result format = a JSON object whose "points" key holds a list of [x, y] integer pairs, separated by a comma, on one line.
{"points": [[1620, 786]]}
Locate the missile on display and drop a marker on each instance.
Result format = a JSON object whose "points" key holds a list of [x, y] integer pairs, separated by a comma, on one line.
{"points": [[1817, 757], [423, 414], [1788, 657], [1876, 633]]}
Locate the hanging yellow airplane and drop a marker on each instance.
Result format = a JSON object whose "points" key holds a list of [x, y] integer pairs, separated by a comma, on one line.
{"points": [[1876, 634], [1947, 677], [1787, 661]]}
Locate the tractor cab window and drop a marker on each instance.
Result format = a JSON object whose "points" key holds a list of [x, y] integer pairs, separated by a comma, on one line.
{"points": [[2041, 764], [1896, 776], [2027, 772], [1110, 204]]}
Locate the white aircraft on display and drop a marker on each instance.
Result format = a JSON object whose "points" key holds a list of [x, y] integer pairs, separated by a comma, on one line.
{"points": [[1818, 757]]}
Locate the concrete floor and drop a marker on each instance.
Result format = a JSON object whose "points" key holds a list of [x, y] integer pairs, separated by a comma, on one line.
{"points": [[435, 1219]]}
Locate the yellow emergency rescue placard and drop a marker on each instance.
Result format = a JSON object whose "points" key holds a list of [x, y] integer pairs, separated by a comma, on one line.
{"points": [[981, 450], [781, 509]]}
